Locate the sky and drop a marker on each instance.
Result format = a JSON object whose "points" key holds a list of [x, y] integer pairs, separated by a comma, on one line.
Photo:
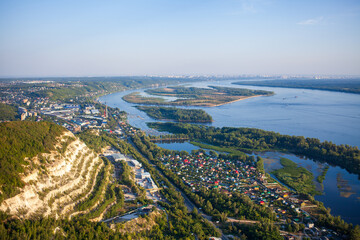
{"points": [[40, 38]]}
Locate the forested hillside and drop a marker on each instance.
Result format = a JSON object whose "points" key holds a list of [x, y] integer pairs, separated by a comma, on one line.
{"points": [[20, 140], [7, 112]]}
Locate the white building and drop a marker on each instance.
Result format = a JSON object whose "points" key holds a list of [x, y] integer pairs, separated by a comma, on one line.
{"points": [[134, 163], [145, 175], [118, 157]]}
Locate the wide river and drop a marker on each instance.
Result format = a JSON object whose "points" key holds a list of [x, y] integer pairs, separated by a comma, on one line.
{"points": [[326, 115]]}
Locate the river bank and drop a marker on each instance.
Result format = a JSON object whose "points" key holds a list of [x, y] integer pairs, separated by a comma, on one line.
{"points": [[330, 116], [340, 190]]}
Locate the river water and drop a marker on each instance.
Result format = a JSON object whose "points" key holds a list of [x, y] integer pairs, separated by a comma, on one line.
{"points": [[326, 115], [340, 189]]}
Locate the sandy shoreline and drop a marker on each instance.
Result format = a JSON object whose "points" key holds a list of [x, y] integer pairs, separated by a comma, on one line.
{"points": [[216, 105], [194, 104]]}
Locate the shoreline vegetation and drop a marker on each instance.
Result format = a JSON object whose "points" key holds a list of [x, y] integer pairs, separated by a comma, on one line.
{"points": [[192, 96], [335, 85], [295, 177], [251, 139], [214, 202], [321, 177], [235, 152], [177, 114]]}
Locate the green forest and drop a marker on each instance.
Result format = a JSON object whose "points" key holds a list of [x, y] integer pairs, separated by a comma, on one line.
{"points": [[19, 140], [176, 114], [8, 112]]}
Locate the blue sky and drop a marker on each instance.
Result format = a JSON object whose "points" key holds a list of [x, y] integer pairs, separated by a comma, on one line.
{"points": [[173, 37]]}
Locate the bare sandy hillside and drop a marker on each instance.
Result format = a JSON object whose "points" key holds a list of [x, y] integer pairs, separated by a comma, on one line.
{"points": [[56, 181]]}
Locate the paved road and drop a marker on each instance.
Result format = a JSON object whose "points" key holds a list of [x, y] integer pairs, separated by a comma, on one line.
{"points": [[242, 221], [119, 216]]}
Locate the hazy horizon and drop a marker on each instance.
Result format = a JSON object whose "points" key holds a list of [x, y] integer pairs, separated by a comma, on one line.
{"points": [[162, 37]]}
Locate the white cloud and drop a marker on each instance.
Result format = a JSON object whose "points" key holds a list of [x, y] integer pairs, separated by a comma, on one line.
{"points": [[312, 21], [249, 7]]}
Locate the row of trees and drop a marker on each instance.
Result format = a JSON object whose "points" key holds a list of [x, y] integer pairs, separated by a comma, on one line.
{"points": [[241, 91]]}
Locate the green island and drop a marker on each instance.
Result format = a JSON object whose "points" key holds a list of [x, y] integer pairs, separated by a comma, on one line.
{"points": [[192, 96], [295, 177], [338, 85], [177, 114], [135, 97], [321, 177]]}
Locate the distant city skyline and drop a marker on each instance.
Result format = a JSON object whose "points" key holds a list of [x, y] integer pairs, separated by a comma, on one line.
{"points": [[41, 38]]}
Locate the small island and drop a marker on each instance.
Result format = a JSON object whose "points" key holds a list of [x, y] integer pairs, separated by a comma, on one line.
{"points": [[192, 96], [296, 177], [177, 114]]}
